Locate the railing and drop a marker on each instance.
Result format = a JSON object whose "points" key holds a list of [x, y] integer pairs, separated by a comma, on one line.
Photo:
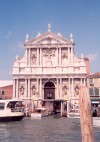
{"points": [[19, 109]]}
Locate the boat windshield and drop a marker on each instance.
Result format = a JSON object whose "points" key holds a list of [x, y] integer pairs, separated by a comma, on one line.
{"points": [[2, 105], [40, 110], [15, 106]]}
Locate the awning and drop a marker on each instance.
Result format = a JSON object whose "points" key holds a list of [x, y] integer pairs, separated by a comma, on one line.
{"points": [[95, 101], [48, 100], [34, 98], [66, 98]]}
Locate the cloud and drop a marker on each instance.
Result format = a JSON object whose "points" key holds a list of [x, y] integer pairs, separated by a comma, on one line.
{"points": [[92, 57], [8, 35]]}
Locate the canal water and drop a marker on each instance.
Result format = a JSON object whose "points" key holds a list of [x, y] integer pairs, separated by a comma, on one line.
{"points": [[48, 129]]}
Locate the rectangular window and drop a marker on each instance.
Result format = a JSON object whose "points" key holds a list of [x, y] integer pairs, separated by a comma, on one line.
{"points": [[91, 80], [2, 105], [2, 92]]}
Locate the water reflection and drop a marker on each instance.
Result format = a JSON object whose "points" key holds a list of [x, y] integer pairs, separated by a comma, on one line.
{"points": [[48, 129]]}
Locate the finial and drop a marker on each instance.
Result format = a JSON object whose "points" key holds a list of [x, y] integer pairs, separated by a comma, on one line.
{"points": [[59, 34], [38, 34], [49, 27], [82, 56], [27, 37], [71, 37]]}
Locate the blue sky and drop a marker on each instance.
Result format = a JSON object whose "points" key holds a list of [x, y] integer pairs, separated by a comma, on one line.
{"points": [[19, 17]]}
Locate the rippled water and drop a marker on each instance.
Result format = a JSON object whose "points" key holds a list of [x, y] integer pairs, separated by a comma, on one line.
{"points": [[48, 129]]}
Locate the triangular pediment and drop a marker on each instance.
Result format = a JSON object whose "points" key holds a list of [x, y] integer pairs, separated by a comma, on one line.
{"points": [[49, 37]]}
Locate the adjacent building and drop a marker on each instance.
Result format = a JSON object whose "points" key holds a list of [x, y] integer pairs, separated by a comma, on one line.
{"points": [[94, 88], [6, 89], [49, 70]]}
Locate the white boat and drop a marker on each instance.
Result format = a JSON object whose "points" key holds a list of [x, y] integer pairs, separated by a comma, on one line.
{"points": [[11, 110], [39, 112], [74, 113]]}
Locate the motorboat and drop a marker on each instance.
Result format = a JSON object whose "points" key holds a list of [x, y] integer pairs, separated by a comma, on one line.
{"points": [[73, 113], [39, 113], [11, 110]]}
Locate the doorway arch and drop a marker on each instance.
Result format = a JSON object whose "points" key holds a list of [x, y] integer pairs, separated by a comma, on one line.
{"points": [[49, 90]]}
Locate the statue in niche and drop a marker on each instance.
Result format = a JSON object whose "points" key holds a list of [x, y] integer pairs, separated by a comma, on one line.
{"points": [[33, 58], [77, 90], [64, 55], [65, 89], [33, 90], [22, 90]]}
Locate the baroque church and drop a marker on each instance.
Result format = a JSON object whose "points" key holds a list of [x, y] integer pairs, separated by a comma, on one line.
{"points": [[49, 70]]}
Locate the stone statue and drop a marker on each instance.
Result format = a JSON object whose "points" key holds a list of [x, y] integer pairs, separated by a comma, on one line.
{"points": [[71, 37], [77, 90], [65, 90], [21, 91], [27, 37], [33, 90], [49, 27]]}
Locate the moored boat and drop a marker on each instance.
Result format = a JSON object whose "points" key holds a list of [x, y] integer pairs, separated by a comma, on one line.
{"points": [[39, 113], [74, 113], [11, 110]]}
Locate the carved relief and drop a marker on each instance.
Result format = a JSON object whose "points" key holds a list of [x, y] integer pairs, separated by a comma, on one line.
{"points": [[33, 58]]}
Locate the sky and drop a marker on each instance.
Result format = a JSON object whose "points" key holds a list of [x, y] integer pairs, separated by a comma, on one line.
{"points": [[19, 17]]}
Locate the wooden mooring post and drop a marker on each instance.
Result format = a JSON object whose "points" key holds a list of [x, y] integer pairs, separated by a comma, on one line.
{"points": [[86, 120]]}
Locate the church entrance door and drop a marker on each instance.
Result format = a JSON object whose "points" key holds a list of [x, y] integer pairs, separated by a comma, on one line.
{"points": [[49, 96]]}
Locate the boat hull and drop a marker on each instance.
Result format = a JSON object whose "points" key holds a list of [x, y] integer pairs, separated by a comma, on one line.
{"points": [[11, 118]]}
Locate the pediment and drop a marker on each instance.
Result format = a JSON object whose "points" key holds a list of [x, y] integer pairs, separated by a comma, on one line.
{"points": [[49, 38]]}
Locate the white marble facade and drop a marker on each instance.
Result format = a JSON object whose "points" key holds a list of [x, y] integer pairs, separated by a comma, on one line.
{"points": [[49, 57]]}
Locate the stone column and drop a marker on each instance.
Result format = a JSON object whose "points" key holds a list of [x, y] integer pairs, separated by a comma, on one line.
{"points": [[84, 82], [40, 56], [17, 88], [81, 81], [61, 108], [69, 87], [68, 55], [72, 87], [14, 88], [29, 57], [29, 88], [60, 56], [26, 88], [40, 92], [37, 85], [60, 87], [71, 55], [57, 88], [57, 57], [37, 56], [26, 56]]}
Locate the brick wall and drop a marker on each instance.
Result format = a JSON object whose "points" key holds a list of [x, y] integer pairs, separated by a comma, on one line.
{"points": [[6, 92]]}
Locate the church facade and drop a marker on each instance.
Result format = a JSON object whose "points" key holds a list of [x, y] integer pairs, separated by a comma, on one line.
{"points": [[49, 69]]}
